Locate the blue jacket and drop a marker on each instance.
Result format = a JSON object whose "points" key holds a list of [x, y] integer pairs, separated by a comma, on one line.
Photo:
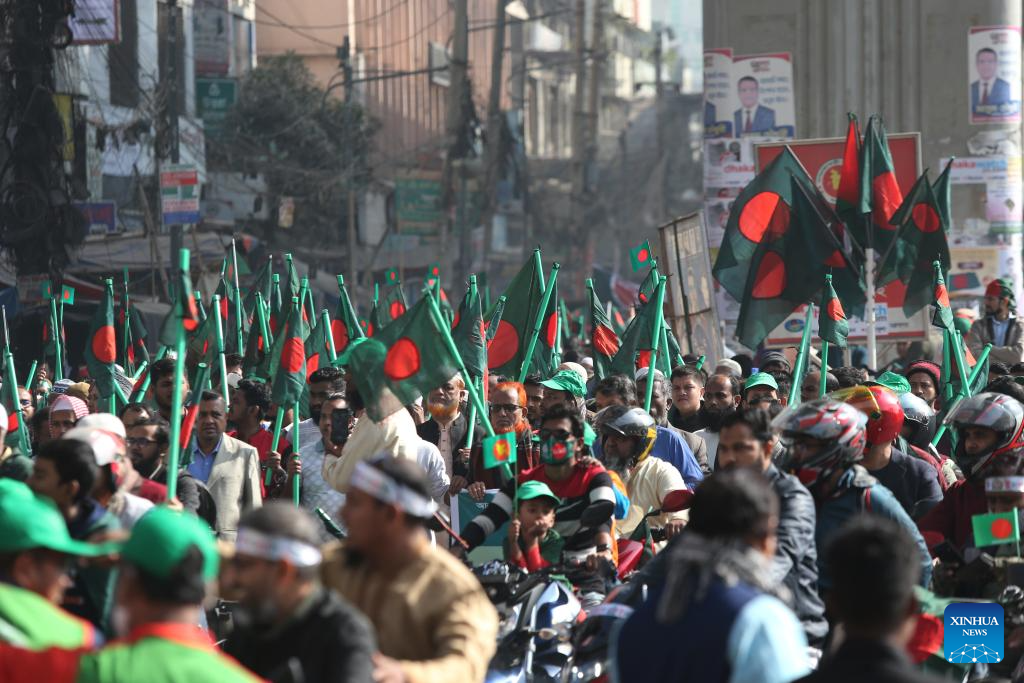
{"points": [[762, 121], [999, 94], [857, 492]]}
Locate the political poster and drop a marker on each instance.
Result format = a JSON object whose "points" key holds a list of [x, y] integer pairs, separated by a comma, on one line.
{"points": [[971, 269], [993, 202], [763, 91], [718, 92], [211, 39], [728, 162], [993, 62]]}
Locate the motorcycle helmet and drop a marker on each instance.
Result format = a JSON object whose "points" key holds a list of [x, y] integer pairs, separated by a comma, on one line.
{"points": [[629, 422], [839, 425], [998, 412], [920, 417], [882, 408]]}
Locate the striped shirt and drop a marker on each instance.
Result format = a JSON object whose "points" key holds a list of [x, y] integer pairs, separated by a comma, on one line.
{"points": [[588, 491]]}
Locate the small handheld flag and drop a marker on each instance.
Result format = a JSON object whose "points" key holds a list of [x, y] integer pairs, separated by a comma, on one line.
{"points": [[499, 450], [67, 295], [833, 327], [391, 276], [640, 255], [433, 275], [995, 528]]}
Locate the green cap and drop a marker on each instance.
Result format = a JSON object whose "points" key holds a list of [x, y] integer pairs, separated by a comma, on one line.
{"points": [[890, 380], [535, 489], [760, 379], [345, 355], [29, 521], [161, 538], [566, 380]]}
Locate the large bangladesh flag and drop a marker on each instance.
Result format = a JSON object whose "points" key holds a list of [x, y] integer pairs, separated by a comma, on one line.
{"points": [[880, 194], [547, 351], [345, 325], [468, 333], [603, 340], [402, 362], [290, 375], [101, 351], [919, 241], [848, 192], [522, 300], [637, 342]]}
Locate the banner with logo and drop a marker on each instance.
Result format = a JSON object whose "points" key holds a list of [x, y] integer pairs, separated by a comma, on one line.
{"points": [[993, 65]]}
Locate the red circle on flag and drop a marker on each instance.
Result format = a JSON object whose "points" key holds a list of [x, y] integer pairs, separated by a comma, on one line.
{"points": [[765, 216], [551, 330], [942, 296], [312, 364], [836, 260], [771, 277], [504, 346], [643, 359], [292, 355], [925, 218], [340, 334], [456, 319], [1001, 528], [887, 198], [403, 360], [396, 309], [835, 309], [104, 344], [605, 341], [191, 320], [435, 271], [642, 255]]}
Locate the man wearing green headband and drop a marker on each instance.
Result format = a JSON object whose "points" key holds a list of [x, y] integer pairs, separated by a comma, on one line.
{"points": [[1000, 326], [165, 566], [35, 549]]}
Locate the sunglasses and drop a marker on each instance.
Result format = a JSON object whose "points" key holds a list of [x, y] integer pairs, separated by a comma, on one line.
{"points": [[557, 434], [504, 407]]}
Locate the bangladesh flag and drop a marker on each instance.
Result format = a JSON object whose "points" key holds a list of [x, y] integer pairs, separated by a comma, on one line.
{"points": [[920, 241], [101, 351], [522, 299], [880, 194], [637, 342], [942, 314], [318, 354], [995, 528], [848, 191], [203, 343], [391, 276], [12, 403], [499, 450], [184, 313], [603, 340], [387, 309], [261, 283], [278, 313], [345, 325], [290, 374], [941, 191], [650, 283], [402, 362], [640, 255], [832, 324], [433, 276], [137, 334], [468, 333], [547, 351]]}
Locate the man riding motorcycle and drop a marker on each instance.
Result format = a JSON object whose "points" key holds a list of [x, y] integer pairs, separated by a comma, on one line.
{"points": [[627, 436]]}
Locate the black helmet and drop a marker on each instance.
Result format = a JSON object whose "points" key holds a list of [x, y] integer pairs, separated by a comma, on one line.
{"points": [[998, 412], [630, 422], [920, 416]]}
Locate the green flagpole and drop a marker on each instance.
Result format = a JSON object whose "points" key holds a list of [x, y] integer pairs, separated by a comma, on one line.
{"points": [[11, 384], [824, 368], [297, 479], [174, 449], [261, 317], [31, 374], [658, 332], [700, 362], [239, 347], [538, 319], [346, 301], [112, 399], [965, 388], [218, 330], [471, 419], [325, 320], [801, 358], [55, 330], [126, 330]]}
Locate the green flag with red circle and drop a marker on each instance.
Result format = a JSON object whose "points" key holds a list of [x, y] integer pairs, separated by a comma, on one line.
{"points": [[848, 190], [290, 376], [833, 326], [184, 314], [317, 353], [547, 351], [637, 341], [604, 343], [345, 325], [391, 276], [880, 194], [101, 351], [942, 313], [507, 348], [499, 450], [641, 256], [995, 528], [402, 362], [468, 333]]}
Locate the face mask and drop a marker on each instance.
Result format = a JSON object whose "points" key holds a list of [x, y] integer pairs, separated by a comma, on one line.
{"points": [[556, 451]]}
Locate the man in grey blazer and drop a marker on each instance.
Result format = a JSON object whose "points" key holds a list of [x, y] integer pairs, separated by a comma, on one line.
{"points": [[230, 468]]}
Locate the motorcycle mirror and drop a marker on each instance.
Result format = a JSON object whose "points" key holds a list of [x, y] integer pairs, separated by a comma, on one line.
{"points": [[679, 499]]}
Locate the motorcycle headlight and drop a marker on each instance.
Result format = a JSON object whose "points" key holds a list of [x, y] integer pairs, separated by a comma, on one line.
{"points": [[508, 622], [588, 671]]}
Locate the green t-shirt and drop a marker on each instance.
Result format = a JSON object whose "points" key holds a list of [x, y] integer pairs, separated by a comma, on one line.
{"points": [[30, 621]]}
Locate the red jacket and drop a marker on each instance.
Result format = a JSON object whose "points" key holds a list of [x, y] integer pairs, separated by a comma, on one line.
{"points": [[952, 516]]}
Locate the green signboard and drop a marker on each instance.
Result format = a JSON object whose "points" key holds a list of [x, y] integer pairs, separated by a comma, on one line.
{"points": [[214, 97], [418, 205]]}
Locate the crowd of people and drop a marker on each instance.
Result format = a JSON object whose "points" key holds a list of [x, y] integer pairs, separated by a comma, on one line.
{"points": [[812, 529]]}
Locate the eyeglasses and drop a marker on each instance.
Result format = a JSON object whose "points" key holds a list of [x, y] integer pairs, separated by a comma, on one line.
{"points": [[26, 401], [134, 441], [505, 407], [557, 434]]}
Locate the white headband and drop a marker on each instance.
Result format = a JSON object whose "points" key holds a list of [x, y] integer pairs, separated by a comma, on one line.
{"points": [[385, 489], [1004, 485], [274, 548]]}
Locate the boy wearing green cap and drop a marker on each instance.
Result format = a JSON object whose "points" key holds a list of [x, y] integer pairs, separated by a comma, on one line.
{"points": [[165, 566], [34, 550], [533, 542]]}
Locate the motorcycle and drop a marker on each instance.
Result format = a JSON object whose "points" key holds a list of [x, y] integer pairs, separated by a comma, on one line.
{"points": [[631, 552]]}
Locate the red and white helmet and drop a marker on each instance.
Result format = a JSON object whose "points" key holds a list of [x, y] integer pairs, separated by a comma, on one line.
{"points": [[882, 408], [998, 412], [838, 424]]}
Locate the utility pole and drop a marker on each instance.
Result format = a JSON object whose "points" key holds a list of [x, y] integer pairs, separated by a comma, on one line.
{"points": [[345, 54], [591, 145], [494, 130], [657, 91], [579, 136], [171, 107], [455, 128]]}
